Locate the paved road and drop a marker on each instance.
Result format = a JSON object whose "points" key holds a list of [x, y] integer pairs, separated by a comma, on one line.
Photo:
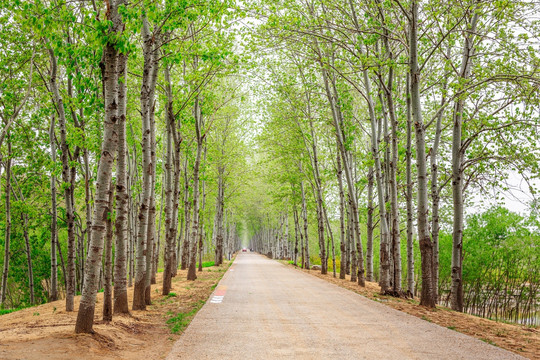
{"points": [[263, 310]]}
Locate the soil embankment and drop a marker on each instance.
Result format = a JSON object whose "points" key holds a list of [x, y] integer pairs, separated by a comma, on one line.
{"points": [[47, 331], [522, 340]]}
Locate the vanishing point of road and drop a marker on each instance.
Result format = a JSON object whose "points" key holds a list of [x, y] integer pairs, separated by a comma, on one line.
{"points": [[262, 309]]}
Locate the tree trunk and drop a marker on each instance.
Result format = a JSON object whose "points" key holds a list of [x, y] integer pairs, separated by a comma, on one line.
{"points": [[384, 262], [150, 244], [343, 262], [88, 206], [458, 153], [132, 230], [385, 176], [187, 214], [139, 297], [53, 293], [177, 140], [427, 297], [85, 316], [122, 198], [68, 185], [151, 227], [157, 247], [410, 239], [201, 227], [384, 280], [320, 229], [348, 235], [435, 192], [340, 136], [352, 243], [304, 216], [369, 226], [107, 287], [8, 225], [168, 254], [331, 235], [151, 236], [320, 201], [347, 165], [285, 235], [28, 258], [62, 263], [201, 248], [296, 226], [219, 217], [132, 211], [192, 274], [392, 178]]}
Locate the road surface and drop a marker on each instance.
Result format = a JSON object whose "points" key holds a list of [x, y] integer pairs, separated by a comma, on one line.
{"points": [[262, 309]]}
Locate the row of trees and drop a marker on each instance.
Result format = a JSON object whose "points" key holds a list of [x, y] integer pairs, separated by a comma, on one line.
{"points": [[121, 130], [128, 142], [387, 118]]}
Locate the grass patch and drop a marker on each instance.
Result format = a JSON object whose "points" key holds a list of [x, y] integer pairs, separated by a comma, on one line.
{"points": [[206, 264], [180, 321], [171, 294], [451, 327], [488, 341], [8, 311]]}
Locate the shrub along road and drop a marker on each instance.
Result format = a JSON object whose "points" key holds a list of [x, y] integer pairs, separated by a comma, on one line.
{"points": [[263, 310]]}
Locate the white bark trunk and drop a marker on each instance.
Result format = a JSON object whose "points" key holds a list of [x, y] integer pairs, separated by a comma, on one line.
{"points": [[426, 246], [53, 292], [68, 191], [85, 316], [192, 275], [7, 226], [458, 153], [139, 302], [122, 197], [410, 239]]}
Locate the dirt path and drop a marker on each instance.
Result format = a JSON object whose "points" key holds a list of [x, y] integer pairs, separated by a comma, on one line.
{"points": [[265, 310]]}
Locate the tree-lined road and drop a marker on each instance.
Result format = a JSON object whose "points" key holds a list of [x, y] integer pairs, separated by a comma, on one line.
{"points": [[264, 310]]}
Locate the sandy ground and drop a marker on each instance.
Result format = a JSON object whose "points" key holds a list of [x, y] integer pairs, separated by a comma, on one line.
{"points": [[519, 339], [262, 309], [47, 331]]}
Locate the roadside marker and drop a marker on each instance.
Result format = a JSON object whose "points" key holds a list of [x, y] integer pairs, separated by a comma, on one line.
{"points": [[219, 294]]}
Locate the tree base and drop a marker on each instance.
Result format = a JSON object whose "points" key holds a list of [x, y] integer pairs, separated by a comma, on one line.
{"points": [[85, 320], [139, 302], [397, 294], [121, 305]]}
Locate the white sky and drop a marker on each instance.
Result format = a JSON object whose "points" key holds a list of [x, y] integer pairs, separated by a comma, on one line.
{"points": [[516, 199]]}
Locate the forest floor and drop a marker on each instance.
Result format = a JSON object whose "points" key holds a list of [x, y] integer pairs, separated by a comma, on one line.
{"points": [[522, 340], [47, 331]]}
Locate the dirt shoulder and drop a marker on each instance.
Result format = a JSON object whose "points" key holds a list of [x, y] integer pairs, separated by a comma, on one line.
{"points": [[47, 331], [522, 340]]}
